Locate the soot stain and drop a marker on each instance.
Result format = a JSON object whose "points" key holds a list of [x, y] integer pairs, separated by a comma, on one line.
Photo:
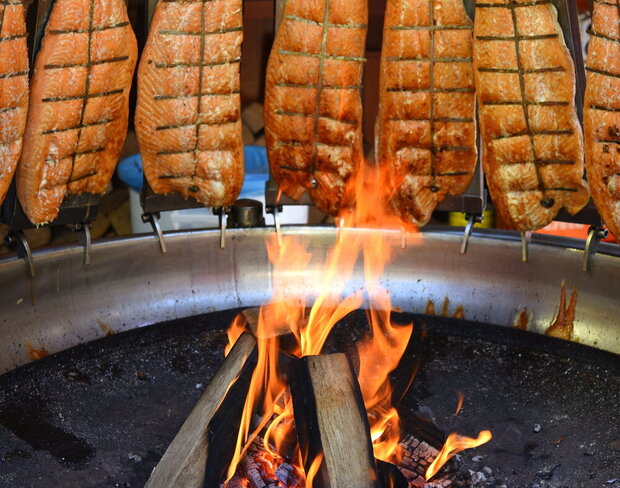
{"points": [[27, 421]]}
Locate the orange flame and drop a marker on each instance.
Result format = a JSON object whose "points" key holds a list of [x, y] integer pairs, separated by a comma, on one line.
{"points": [[237, 327], [298, 280], [314, 469], [459, 401], [454, 444]]}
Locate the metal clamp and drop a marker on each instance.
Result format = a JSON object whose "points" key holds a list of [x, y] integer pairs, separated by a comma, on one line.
{"points": [[17, 239], [84, 239], [472, 219], [595, 234], [153, 219], [526, 238]]}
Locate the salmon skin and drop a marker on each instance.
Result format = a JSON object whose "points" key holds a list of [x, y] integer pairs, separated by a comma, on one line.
{"points": [[602, 112], [13, 88], [426, 130], [313, 107], [79, 96], [188, 115], [532, 145]]}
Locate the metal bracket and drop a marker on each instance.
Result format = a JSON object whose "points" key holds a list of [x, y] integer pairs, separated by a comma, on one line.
{"points": [[471, 221], [84, 239], [153, 219], [595, 234], [18, 240], [526, 238]]}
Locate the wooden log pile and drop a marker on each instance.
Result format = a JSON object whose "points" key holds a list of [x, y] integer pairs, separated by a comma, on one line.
{"points": [[331, 425]]}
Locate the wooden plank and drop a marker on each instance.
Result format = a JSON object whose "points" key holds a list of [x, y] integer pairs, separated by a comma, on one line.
{"points": [[330, 418], [184, 462]]}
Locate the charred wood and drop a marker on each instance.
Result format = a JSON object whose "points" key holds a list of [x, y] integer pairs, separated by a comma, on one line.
{"points": [[331, 420], [183, 463]]}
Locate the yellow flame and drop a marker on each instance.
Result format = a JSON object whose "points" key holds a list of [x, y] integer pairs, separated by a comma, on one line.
{"points": [[454, 444], [314, 469], [459, 401], [300, 279]]}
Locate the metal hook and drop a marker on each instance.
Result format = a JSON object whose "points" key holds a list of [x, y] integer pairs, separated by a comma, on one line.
{"points": [[222, 217], [153, 219], [18, 239], [471, 221], [526, 238], [595, 234], [275, 211], [84, 239]]}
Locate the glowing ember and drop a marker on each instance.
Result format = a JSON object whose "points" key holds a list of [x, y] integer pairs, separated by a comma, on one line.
{"points": [[299, 284]]}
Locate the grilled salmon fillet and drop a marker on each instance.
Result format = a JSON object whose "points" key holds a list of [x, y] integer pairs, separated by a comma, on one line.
{"points": [[426, 130], [313, 107], [602, 112], [188, 115], [79, 96], [13, 88], [531, 139]]}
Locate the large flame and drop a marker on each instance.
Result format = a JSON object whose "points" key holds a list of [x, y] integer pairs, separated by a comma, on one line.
{"points": [[299, 283]]}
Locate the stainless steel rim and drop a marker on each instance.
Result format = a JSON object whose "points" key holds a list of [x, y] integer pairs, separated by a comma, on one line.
{"points": [[130, 284]]}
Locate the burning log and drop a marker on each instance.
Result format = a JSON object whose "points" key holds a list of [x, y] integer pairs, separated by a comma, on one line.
{"points": [[331, 422], [183, 463]]}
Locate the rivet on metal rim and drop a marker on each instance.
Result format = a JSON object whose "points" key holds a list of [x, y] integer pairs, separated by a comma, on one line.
{"points": [[314, 184]]}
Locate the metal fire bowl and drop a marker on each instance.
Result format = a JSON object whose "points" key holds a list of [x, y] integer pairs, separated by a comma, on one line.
{"points": [[130, 284]]}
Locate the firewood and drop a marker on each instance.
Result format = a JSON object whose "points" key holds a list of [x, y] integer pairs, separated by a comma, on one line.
{"points": [[183, 463], [330, 418], [252, 314]]}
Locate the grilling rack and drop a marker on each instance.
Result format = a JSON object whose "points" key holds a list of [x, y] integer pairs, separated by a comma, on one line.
{"points": [[79, 211], [474, 200], [76, 211]]}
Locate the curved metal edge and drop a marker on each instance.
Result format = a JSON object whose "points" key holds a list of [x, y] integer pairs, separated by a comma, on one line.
{"points": [[131, 284], [604, 248]]}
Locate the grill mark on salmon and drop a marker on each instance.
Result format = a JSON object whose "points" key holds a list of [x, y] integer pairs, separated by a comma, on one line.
{"points": [[525, 82], [602, 113], [426, 130], [313, 110], [13, 89], [188, 115], [79, 105]]}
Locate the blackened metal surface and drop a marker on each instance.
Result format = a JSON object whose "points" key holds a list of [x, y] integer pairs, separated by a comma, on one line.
{"points": [[553, 407], [102, 414]]}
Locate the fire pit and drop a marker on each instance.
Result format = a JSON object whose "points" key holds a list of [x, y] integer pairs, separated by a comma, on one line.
{"points": [[423, 277], [551, 404]]}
